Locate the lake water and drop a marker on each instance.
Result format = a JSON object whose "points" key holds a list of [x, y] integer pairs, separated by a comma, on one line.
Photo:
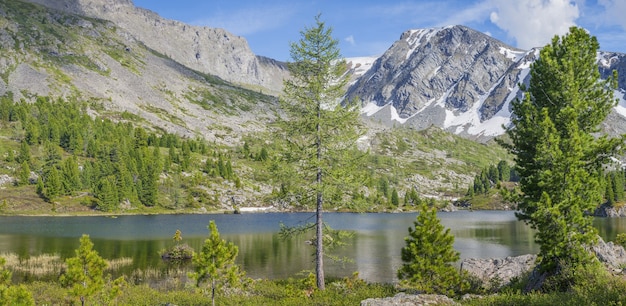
{"points": [[375, 247]]}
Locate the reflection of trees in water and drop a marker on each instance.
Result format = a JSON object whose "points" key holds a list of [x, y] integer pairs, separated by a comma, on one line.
{"points": [[268, 256], [608, 228], [375, 247]]}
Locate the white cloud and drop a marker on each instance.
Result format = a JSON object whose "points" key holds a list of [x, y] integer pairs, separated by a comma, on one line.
{"points": [[250, 20], [350, 40], [533, 23], [477, 12], [614, 10]]}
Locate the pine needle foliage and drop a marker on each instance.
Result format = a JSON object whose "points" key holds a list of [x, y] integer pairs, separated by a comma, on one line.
{"points": [[558, 151], [320, 131], [215, 264], [84, 276], [429, 256]]}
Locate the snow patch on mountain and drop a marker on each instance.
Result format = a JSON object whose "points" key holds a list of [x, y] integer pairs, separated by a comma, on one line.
{"points": [[606, 59], [395, 116], [360, 65], [514, 55], [621, 104], [469, 121], [370, 109], [415, 38]]}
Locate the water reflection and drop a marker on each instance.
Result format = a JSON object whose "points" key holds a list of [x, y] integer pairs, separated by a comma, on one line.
{"points": [[375, 249]]}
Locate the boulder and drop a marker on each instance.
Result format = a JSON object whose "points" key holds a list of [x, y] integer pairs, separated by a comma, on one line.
{"points": [[606, 210], [613, 256], [403, 299], [498, 271]]}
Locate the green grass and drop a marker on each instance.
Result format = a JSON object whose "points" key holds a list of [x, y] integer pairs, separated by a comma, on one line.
{"points": [[597, 288], [292, 291]]}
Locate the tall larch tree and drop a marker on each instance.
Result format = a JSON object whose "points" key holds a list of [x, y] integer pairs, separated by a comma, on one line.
{"points": [[320, 131], [558, 154]]}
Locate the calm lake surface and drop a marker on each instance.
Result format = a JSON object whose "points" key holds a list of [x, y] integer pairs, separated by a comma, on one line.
{"points": [[375, 248]]}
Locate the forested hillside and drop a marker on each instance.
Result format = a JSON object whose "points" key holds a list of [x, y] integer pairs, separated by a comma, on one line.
{"points": [[55, 158], [94, 120]]}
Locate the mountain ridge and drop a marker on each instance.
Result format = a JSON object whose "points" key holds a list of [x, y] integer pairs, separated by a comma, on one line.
{"points": [[57, 54], [209, 50], [453, 77], [458, 79]]}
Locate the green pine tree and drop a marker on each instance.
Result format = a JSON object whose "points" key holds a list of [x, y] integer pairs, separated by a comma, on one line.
{"points": [[24, 174], [493, 174], [84, 274], [395, 199], [429, 256], [617, 186], [609, 195], [24, 153], [10, 156], [558, 156], [107, 194], [320, 132], [53, 186], [505, 171], [215, 264], [71, 175], [10, 294]]}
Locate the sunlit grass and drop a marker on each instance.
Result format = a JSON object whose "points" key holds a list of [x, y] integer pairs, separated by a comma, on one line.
{"points": [[50, 265], [37, 266]]}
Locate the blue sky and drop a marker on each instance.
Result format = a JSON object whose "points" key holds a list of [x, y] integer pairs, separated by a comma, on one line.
{"points": [[369, 27]]}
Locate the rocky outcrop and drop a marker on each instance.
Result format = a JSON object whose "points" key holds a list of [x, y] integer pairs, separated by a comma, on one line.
{"points": [[613, 256], [6, 179], [69, 55], [209, 50], [498, 271], [460, 80], [430, 72], [606, 210], [403, 299]]}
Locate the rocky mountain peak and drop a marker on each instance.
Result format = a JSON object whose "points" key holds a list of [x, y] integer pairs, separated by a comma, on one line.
{"points": [[428, 73], [454, 78], [209, 50], [87, 7]]}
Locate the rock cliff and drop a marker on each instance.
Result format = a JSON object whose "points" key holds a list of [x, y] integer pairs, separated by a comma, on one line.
{"points": [[47, 52], [209, 50], [460, 80]]}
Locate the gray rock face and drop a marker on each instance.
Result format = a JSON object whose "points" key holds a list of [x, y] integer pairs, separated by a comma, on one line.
{"points": [[209, 50], [434, 71], [458, 79], [403, 299], [69, 55], [499, 271], [611, 255], [609, 211]]}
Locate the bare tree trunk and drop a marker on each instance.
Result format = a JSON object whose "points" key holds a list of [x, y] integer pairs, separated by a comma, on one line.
{"points": [[319, 254], [319, 263], [213, 286]]}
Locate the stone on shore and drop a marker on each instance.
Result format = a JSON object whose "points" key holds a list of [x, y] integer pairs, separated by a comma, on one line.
{"points": [[499, 271], [403, 299]]}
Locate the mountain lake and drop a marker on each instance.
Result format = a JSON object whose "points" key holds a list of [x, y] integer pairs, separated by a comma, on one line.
{"points": [[374, 249]]}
